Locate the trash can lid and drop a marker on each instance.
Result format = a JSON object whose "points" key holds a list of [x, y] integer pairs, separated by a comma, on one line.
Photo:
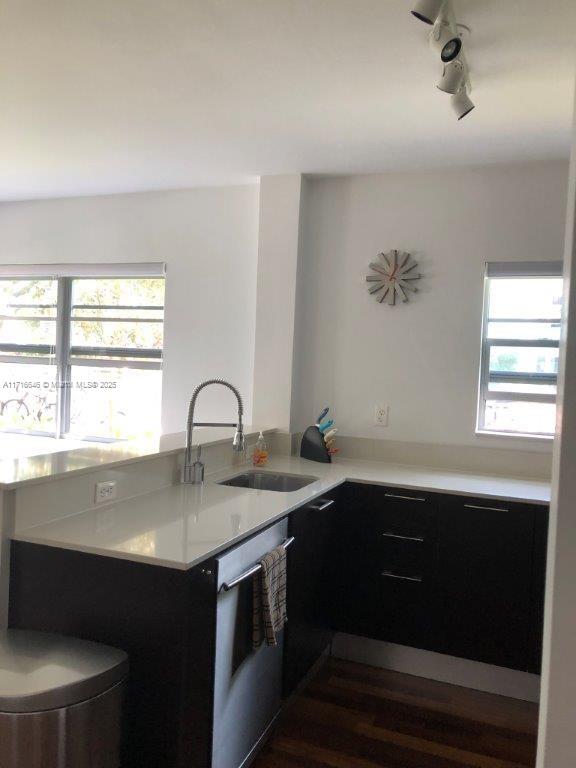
{"points": [[40, 671]]}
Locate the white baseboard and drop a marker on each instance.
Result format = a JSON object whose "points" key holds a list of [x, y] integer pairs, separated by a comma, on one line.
{"points": [[437, 666]]}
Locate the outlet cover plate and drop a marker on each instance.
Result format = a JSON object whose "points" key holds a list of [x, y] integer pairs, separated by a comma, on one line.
{"points": [[381, 415], [105, 491]]}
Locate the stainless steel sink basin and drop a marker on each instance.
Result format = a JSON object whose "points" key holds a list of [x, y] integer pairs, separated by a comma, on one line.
{"points": [[269, 481]]}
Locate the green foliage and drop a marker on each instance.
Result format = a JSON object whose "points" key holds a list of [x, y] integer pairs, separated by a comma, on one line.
{"points": [[130, 293], [506, 362]]}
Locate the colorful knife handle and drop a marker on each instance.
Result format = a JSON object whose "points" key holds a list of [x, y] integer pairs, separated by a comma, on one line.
{"points": [[322, 415], [325, 426]]}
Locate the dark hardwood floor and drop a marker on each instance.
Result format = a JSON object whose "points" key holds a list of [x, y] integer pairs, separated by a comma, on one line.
{"points": [[355, 716]]}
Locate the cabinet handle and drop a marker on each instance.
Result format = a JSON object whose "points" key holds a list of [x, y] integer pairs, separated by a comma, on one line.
{"points": [[390, 535], [322, 504], [390, 575], [489, 509], [406, 498]]}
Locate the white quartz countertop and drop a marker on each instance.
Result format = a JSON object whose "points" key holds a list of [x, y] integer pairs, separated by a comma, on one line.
{"points": [[84, 457], [182, 525]]}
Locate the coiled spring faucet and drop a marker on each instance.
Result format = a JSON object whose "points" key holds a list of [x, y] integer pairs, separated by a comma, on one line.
{"points": [[194, 471]]}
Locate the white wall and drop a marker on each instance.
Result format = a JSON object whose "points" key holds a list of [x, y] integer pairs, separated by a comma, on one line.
{"points": [[558, 710], [278, 245], [421, 359], [208, 239]]}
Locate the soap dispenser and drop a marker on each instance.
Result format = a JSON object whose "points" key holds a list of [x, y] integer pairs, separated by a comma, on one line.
{"points": [[260, 455]]}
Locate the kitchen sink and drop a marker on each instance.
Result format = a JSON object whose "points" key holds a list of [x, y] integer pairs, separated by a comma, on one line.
{"points": [[269, 481]]}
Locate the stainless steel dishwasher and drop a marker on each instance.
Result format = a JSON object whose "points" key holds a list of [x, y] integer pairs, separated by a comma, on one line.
{"points": [[248, 683]]}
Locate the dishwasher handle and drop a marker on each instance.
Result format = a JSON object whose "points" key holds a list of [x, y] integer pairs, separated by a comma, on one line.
{"points": [[228, 585]]}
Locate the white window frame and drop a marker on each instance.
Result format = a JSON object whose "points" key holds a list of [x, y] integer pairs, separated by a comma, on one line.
{"points": [[65, 355], [515, 269]]}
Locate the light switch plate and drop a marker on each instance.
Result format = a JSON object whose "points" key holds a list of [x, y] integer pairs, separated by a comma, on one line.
{"points": [[105, 491]]}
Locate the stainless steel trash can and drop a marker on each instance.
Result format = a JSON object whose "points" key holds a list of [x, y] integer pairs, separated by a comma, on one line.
{"points": [[60, 701]]}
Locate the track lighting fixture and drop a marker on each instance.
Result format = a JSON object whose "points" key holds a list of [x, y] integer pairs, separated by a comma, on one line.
{"points": [[453, 77], [428, 10], [446, 39], [461, 102]]}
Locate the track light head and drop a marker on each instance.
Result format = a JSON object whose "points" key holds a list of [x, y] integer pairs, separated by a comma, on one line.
{"points": [[453, 77], [445, 39], [461, 103], [451, 50], [428, 10]]}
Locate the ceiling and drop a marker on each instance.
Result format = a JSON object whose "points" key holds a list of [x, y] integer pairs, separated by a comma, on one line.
{"points": [[106, 96]]}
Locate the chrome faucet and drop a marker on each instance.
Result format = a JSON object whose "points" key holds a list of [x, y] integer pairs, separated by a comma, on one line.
{"points": [[194, 471]]}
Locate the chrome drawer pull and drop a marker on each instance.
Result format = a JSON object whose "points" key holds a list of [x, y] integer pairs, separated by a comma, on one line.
{"points": [[390, 575], [406, 498], [389, 535], [489, 509], [227, 586], [323, 504]]}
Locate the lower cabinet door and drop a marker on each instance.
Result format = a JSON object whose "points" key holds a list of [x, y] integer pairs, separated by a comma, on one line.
{"points": [[484, 580], [311, 569], [355, 590]]}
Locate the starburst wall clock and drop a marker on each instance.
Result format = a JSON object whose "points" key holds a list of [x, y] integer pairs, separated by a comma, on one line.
{"points": [[395, 274]]}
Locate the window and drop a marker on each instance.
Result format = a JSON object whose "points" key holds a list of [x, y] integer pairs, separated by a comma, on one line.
{"points": [[81, 350], [520, 340]]}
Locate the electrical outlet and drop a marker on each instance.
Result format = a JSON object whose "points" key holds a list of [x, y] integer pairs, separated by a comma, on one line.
{"points": [[105, 491], [381, 416]]}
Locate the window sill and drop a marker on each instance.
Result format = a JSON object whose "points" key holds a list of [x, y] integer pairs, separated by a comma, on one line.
{"points": [[515, 435]]}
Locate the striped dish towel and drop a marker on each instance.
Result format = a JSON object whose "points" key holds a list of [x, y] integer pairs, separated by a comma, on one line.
{"points": [[269, 591]]}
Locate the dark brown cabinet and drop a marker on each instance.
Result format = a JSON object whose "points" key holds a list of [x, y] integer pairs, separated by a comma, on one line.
{"points": [[387, 550], [452, 574], [485, 559], [311, 566]]}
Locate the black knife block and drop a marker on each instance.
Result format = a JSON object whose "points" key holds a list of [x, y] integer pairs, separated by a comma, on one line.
{"points": [[313, 446]]}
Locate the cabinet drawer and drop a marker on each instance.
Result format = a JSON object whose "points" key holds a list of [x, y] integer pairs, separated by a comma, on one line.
{"points": [[396, 511], [405, 520], [406, 514], [404, 556], [405, 608]]}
